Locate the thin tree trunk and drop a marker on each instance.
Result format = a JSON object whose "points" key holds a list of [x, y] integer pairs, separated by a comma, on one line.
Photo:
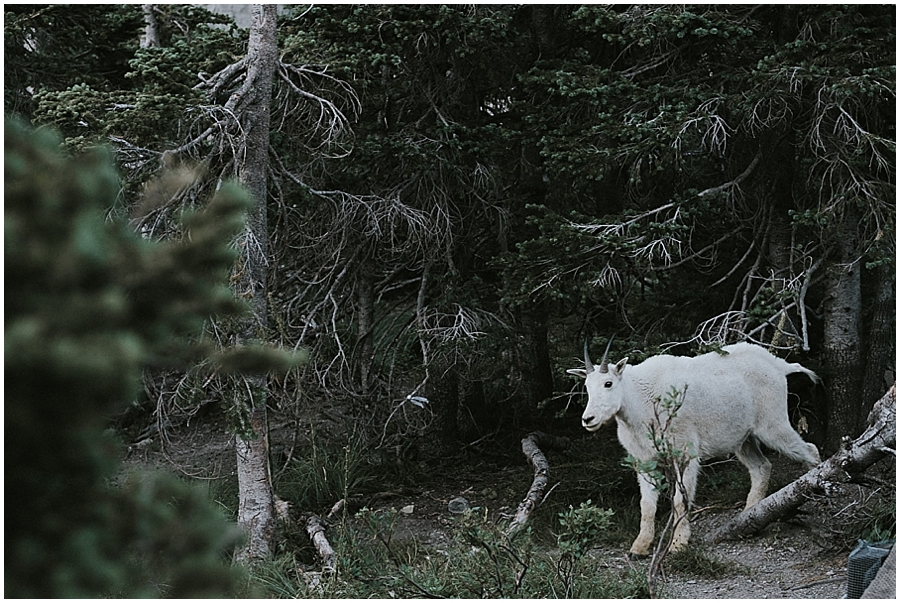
{"points": [[150, 39], [841, 345], [442, 435], [878, 440], [539, 374], [366, 321], [256, 512]]}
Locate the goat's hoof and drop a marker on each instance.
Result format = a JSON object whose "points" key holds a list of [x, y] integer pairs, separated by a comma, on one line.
{"points": [[635, 556]]}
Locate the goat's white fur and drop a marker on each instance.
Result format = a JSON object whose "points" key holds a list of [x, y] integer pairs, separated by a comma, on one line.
{"points": [[733, 402]]}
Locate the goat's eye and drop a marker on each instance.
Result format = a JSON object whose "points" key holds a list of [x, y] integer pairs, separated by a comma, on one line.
{"points": [[608, 384]]}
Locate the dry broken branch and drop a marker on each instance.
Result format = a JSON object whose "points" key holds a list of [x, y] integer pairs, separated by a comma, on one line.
{"points": [[531, 447], [878, 440], [315, 527]]}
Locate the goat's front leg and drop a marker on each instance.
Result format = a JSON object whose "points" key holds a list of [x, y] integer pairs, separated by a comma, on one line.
{"points": [[684, 500], [641, 546]]}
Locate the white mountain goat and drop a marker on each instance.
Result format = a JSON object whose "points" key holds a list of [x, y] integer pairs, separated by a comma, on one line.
{"points": [[734, 401]]}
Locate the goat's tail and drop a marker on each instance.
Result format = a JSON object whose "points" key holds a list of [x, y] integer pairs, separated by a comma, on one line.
{"points": [[798, 368]]}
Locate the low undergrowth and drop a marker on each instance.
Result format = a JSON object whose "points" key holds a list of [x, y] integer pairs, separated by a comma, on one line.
{"points": [[547, 560], [479, 562], [377, 557]]}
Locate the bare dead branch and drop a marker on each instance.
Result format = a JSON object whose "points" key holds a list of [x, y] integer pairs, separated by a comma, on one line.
{"points": [[728, 186], [315, 527], [224, 77], [531, 447]]}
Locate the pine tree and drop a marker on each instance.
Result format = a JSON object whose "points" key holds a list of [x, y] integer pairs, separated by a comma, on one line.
{"points": [[89, 304]]}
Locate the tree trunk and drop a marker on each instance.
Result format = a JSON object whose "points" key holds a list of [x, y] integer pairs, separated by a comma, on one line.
{"points": [[442, 435], [880, 351], [879, 439], [256, 512], [476, 416], [841, 344], [539, 373], [545, 22], [365, 322], [150, 39]]}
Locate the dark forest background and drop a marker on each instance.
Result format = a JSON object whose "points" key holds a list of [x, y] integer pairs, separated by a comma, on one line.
{"points": [[457, 197]]}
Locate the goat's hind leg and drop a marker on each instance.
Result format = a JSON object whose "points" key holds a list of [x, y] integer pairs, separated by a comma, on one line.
{"points": [[759, 467], [784, 439]]}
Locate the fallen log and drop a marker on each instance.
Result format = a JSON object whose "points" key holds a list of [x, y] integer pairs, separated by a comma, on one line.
{"points": [[531, 447], [315, 527], [878, 440]]}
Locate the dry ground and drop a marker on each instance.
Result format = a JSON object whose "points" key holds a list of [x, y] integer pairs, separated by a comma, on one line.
{"points": [[805, 558]]}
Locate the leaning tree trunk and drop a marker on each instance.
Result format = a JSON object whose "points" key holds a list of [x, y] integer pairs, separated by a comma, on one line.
{"points": [[878, 440], [256, 512], [841, 345]]}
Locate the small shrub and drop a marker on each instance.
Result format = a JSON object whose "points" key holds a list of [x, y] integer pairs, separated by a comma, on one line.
{"points": [[880, 523], [580, 528]]}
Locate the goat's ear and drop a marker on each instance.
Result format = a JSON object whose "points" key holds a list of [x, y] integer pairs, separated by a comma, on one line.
{"points": [[579, 372], [620, 366]]}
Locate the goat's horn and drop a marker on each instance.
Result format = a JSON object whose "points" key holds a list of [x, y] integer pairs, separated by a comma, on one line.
{"points": [[604, 364], [587, 359]]}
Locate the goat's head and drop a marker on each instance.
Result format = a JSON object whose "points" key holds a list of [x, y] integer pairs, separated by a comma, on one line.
{"points": [[605, 396]]}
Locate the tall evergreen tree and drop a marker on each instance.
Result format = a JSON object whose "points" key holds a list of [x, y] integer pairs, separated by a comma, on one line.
{"points": [[55, 46], [89, 304]]}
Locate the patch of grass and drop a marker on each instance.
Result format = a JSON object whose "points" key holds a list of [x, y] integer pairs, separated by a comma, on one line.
{"points": [[326, 474], [697, 561], [277, 578], [223, 491]]}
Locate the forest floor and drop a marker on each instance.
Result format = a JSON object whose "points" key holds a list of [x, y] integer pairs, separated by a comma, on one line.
{"points": [[803, 558]]}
